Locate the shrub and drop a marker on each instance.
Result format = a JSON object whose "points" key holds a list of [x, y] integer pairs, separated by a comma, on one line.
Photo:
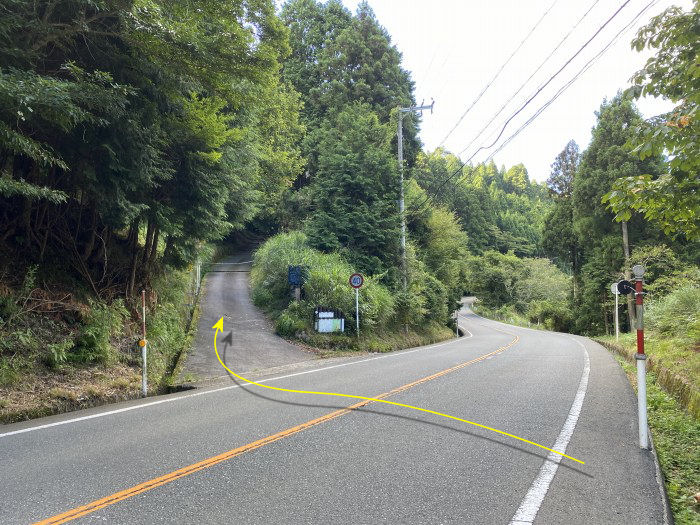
{"points": [[677, 313], [288, 324], [554, 316], [57, 353], [92, 345], [326, 285]]}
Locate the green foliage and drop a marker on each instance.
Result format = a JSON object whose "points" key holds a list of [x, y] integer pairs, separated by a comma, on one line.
{"points": [[564, 168], [117, 115], [326, 285], [671, 200], [675, 440], [534, 288], [498, 209], [677, 314], [288, 324], [93, 343], [355, 192], [605, 161], [58, 353], [338, 60]]}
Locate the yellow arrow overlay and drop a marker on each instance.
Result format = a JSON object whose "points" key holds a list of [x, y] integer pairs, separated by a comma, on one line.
{"points": [[219, 326]]}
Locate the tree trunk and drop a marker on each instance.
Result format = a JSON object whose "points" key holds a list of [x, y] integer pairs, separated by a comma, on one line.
{"points": [[154, 248], [631, 313], [149, 242], [133, 245], [90, 245]]}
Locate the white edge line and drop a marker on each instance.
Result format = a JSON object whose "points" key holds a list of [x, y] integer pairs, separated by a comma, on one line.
{"points": [[530, 505], [230, 387]]}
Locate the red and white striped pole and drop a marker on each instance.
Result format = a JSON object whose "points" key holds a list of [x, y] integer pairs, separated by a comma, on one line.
{"points": [[641, 358]]}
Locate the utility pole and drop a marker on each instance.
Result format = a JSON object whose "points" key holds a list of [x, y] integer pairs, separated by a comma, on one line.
{"points": [[399, 135]]}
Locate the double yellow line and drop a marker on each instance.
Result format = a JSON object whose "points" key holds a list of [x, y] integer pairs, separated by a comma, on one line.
{"points": [[209, 462]]}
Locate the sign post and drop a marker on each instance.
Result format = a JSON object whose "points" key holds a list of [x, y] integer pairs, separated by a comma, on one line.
{"points": [[613, 289], [356, 281]]}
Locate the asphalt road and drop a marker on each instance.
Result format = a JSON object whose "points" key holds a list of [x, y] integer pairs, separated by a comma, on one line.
{"points": [[254, 347], [297, 458]]}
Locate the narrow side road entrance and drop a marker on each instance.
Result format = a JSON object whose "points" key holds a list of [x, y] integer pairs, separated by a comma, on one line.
{"points": [[254, 345]]}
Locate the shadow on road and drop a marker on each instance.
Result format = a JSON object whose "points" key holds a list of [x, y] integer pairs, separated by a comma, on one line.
{"points": [[519, 448]]}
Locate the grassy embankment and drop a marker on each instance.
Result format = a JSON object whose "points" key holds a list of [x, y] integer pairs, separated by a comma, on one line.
{"points": [[61, 349], [675, 433], [672, 344], [382, 329]]}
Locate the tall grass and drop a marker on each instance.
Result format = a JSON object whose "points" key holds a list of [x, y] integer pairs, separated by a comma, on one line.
{"points": [[326, 285]]}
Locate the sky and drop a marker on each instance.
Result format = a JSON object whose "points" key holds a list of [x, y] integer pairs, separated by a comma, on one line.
{"points": [[454, 48]]}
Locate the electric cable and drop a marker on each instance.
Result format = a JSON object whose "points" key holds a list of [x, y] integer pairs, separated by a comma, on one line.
{"points": [[498, 73], [585, 68], [512, 97], [523, 106]]}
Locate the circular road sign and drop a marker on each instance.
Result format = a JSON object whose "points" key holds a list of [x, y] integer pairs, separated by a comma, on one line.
{"points": [[613, 288], [356, 280], [625, 287]]}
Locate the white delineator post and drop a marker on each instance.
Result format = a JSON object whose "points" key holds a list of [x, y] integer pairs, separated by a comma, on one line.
{"points": [[144, 347], [641, 358], [617, 311]]}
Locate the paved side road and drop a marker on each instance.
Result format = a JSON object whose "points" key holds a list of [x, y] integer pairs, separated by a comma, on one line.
{"points": [[294, 458], [254, 345]]}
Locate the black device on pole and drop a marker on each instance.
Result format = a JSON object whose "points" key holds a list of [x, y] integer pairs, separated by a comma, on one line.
{"points": [[625, 287]]}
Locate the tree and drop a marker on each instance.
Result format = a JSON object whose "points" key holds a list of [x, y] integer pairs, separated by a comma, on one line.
{"points": [[606, 160], [355, 192], [564, 167], [670, 199], [338, 59], [559, 240], [516, 179], [117, 116]]}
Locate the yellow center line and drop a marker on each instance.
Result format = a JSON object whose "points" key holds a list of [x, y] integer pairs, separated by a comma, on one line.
{"points": [[219, 326], [209, 462]]}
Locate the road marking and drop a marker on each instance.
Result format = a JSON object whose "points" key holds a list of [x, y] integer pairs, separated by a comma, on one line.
{"points": [[209, 462], [219, 326], [530, 505], [215, 390]]}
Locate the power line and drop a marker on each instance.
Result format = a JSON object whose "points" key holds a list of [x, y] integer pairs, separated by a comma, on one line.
{"points": [[464, 163], [512, 97], [566, 86], [539, 90], [498, 73]]}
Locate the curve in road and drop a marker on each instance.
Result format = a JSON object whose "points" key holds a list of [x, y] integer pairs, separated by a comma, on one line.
{"points": [[374, 464]]}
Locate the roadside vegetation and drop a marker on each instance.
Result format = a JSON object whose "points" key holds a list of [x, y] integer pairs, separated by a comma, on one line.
{"points": [[675, 434], [525, 291], [382, 326], [672, 329], [61, 352]]}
